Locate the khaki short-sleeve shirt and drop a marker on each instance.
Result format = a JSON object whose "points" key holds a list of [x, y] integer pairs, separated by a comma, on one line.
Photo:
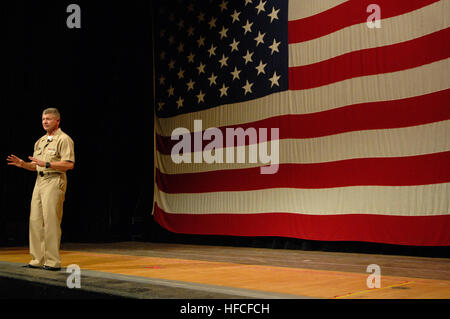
{"points": [[59, 148]]}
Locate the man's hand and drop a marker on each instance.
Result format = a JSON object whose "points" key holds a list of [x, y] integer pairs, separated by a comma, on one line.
{"points": [[15, 161], [36, 161]]}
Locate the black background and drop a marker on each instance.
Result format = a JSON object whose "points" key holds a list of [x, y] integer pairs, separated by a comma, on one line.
{"points": [[100, 77]]}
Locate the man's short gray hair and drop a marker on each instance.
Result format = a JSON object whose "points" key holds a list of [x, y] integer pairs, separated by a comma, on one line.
{"points": [[52, 110]]}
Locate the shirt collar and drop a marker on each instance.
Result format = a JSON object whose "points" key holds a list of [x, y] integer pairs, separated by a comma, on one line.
{"points": [[53, 137]]}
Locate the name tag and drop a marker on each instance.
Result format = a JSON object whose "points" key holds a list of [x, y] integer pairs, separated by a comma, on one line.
{"points": [[51, 150]]}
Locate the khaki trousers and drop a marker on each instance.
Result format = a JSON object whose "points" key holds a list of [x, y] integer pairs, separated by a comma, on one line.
{"points": [[45, 219]]}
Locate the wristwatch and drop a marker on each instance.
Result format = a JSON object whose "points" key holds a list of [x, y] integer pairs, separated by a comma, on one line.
{"points": [[47, 165]]}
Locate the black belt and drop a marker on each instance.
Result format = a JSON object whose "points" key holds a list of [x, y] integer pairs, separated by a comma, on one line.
{"points": [[42, 174]]}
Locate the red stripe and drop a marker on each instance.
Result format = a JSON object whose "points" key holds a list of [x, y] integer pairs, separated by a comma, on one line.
{"points": [[347, 14], [399, 230], [413, 111], [391, 58], [396, 171]]}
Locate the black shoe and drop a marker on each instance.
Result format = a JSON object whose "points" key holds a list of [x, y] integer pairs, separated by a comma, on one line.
{"points": [[31, 266], [51, 268]]}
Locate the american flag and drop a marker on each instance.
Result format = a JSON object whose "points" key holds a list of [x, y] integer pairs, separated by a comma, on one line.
{"points": [[363, 116]]}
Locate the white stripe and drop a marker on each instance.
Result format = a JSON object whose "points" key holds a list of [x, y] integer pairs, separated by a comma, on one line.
{"points": [[394, 30], [407, 141], [422, 80], [300, 9], [423, 200]]}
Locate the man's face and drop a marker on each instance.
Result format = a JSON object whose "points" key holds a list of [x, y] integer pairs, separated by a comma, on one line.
{"points": [[50, 122]]}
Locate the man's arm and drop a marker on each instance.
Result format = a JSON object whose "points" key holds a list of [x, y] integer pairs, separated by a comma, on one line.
{"points": [[62, 166], [15, 161]]}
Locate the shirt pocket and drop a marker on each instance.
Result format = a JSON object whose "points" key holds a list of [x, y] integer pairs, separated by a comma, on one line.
{"points": [[37, 152], [51, 154]]}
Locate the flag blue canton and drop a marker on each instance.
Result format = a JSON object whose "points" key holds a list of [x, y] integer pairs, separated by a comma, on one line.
{"points": [[211, 53]]}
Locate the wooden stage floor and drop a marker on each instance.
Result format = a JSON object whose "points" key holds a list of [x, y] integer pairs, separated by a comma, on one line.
{"points": [[155, 270]]}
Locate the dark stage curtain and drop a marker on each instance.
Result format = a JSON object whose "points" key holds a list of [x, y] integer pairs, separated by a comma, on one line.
{"points": [[100, 78]]}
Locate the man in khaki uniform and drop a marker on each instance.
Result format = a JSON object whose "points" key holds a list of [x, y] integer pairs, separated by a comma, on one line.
{"points": [[53, 156]]}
